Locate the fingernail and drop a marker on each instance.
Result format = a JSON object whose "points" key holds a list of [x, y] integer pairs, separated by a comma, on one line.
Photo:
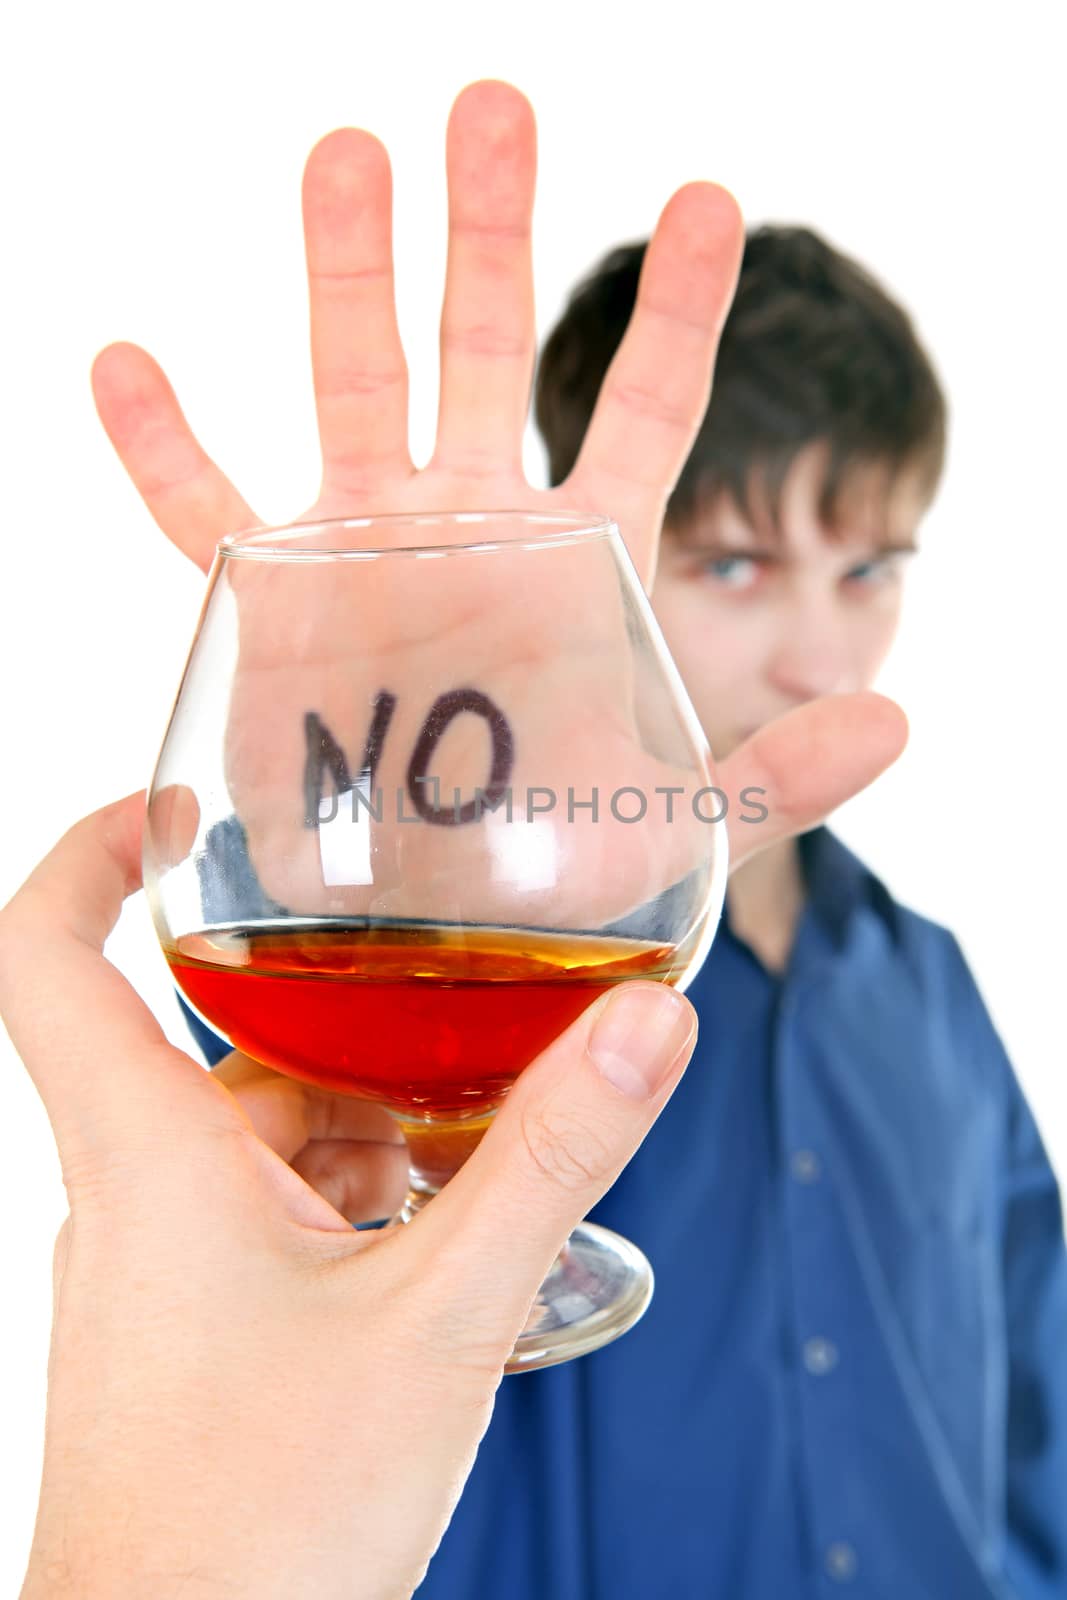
{"points": [[639, 1036]]}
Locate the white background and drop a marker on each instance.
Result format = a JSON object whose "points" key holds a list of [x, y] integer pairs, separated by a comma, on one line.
{"points": [[151, 192]]}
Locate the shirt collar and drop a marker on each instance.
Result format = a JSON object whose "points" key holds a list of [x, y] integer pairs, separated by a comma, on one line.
{"points": [[839, 885]]}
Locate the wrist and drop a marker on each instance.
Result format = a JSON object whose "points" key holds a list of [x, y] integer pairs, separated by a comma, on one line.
{"points": [[85, 1551], [86, 1548]]}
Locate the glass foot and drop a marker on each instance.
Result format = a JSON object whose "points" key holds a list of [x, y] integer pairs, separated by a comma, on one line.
{"points": [[599, 1286]]}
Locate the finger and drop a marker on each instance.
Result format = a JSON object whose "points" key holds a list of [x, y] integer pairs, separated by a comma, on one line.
{"points": [[100, 1061], [172, 820], [190, 497], [287, 1114], [488, 334], [804, 765], [656, 390], [364, 1182], [357, 359], [568, 1127]]}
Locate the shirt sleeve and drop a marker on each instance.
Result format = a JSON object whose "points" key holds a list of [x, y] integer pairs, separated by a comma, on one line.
{"points": [[1034, 1264]]}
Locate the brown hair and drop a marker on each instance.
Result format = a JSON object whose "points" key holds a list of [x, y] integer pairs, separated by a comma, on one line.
{"points": [[813, 350]]}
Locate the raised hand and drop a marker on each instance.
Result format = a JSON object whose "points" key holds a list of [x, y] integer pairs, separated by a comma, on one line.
{"points": [[651, 405]]}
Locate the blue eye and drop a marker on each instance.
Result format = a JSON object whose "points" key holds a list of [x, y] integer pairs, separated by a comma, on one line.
{"points": [[725, 568], [869, 572]]}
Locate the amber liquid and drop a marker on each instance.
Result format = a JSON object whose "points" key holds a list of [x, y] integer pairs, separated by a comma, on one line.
{"points": [[433, 1022]]}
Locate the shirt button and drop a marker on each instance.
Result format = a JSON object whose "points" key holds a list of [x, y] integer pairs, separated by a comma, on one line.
{"points": [[805, 1166], [820, 1357], [841, 1562]]}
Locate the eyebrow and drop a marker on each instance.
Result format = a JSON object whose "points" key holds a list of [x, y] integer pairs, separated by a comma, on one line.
{"points": [[773, 555]]}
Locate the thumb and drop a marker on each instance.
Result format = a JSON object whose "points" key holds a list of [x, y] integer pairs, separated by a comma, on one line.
{"points": [[569, 1125], [100, 1061]]}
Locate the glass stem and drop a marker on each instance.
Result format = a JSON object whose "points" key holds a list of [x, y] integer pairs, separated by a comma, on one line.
{"points": [[437, 1148]]}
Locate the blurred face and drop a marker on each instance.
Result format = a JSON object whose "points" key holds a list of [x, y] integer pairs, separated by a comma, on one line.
{"points": [[759, 625]]}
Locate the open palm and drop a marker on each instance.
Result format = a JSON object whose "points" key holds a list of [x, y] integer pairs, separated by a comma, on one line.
{"points": [[651, 404]]}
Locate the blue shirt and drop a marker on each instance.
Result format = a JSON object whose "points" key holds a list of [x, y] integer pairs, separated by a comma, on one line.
{"points": [[852, 1378]]}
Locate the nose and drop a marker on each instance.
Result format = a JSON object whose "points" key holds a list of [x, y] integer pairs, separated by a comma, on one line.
{"points": [[812, 655]]}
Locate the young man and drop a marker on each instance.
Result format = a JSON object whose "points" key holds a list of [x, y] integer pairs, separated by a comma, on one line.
{"points": [[853, 1374]]}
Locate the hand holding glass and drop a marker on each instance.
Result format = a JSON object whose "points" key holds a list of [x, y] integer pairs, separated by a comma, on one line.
{"points": [[430, 787]]}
